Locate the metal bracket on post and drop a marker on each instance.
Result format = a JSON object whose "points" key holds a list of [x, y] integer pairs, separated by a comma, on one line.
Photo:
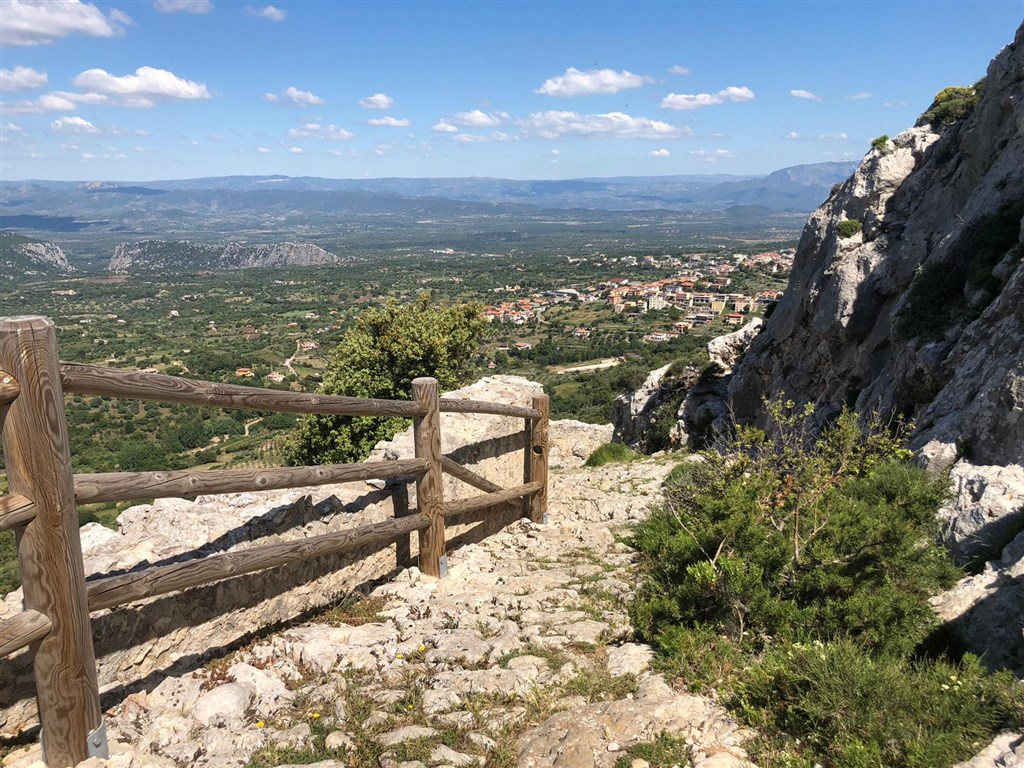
{"points": [[547, 519], [97, 742], [444, 565]]}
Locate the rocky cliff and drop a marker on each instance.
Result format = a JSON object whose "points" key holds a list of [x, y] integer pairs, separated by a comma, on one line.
{"points": [[907, 297], [22, 257], [183, 254]]}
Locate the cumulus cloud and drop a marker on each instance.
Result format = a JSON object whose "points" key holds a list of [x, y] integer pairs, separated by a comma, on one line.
{"points": [[377, 101], [90, 156], [295, 150], [318, 131], [183, 6], [659, 153], [578, 83], [800, 93], [679, 70], [381, 149], [443, 126], [833, 137], [139, 91], [711, 156], [73, 124], [294, 96], [682, 101], [793, 135], [477, 119], [268, 12], [39, 22], [389, 122], [263, 150], [554, 124], [889, 104], [468, 138], [860, 95], [46, 103], [21, 79]]}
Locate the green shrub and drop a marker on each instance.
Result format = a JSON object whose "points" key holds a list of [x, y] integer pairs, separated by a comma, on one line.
{"points": [[881, 143], [611, 453], [849, 227], [951, 105], [851, 709]]}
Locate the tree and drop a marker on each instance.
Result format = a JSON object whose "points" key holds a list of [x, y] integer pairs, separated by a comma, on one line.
{"points": [[379, 356]]}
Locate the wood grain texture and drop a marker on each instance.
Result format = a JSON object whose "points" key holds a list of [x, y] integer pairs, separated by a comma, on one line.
{"points": [[9, 388], [539, 458], [79, 379], [470, 477], [22, 629], [150, 582], [15, 510], [429, 486], [462, 506], [449, 405], [35, 440], [126, 486]]}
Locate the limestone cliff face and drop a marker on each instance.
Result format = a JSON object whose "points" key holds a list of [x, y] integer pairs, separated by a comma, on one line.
{"points": [[23, 257], [183, 254], [922, 311]]}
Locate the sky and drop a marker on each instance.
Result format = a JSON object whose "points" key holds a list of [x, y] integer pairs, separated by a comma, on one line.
{"points": [[162, 89]]}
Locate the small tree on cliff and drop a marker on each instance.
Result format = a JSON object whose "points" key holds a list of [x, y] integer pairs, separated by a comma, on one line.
{"points": [[387, 348]]}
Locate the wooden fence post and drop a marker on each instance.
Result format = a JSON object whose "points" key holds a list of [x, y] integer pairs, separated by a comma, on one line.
{"points": [[539, 459], [35, 443], [429, 488]]}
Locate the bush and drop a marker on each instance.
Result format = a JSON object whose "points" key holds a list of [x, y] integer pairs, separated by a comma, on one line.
{"points": [[951, 105], [881, 143], [379, 357], [611, 453], [849, 227]]}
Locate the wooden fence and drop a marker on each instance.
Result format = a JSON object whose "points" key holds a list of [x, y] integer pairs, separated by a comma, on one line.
{"points": [[40, 506]]}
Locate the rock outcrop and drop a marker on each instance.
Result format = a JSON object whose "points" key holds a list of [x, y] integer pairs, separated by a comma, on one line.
{"points": [[651, 408], [183, 254], [22, 257], [921, 312]]}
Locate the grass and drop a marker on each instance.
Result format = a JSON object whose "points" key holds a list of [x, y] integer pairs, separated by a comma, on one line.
{"points": [[612, 453]]}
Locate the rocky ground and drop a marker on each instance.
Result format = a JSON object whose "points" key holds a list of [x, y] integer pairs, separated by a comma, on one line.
{"points": [[519, 657]]}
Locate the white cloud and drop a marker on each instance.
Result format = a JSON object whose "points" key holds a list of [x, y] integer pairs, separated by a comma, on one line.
{"points": [[317, 131], [39, 22], [554, 124], [73, 124], [793, 135], [46, 103], [681, 101], [659, 153], [389, 122], [833, 137], [800, 93], [894, 104], [91, 156], [477, 119], [12, 127], [860, 95], [295, 150], [268, 12], [377, 101], [679, 70], [381, 149], [468, 138], [713, 155], [556, 152], [443, 126], [183, 6], [138, 91], [577, 83], [263, 150], [21, 78], [296, 97]]}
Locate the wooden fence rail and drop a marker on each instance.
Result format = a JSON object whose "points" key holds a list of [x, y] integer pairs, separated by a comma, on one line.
{"points": [[41, 506]]}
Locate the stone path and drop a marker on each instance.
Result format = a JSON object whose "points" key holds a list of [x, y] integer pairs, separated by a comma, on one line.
{"points": [[519, 657]]}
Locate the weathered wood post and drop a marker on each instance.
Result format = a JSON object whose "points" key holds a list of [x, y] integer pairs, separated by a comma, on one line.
{"points": [[539, 459], [35, 444], [429, 488]]}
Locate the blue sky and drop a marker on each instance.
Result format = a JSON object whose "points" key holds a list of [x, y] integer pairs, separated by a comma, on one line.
{"points": [[156, 89]]}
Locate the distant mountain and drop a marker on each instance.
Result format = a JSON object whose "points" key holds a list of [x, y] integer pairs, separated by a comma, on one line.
{"points": [[24, 256], [185, 255], [798, 188]]}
